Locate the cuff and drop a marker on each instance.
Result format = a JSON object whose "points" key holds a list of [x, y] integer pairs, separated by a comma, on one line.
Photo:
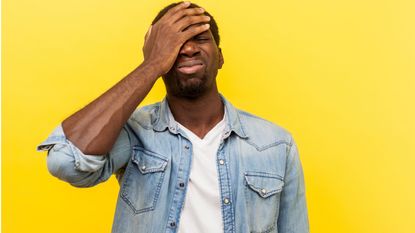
{"points": [[83, 162]]}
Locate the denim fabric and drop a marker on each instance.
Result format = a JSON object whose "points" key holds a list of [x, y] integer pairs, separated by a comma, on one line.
{"points": [[260, 174]]}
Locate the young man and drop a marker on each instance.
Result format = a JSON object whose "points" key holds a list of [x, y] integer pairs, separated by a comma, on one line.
{"points": [[191, 163]]}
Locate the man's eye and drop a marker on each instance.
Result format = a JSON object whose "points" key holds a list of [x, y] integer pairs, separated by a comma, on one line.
{"points": [[201, 38]]}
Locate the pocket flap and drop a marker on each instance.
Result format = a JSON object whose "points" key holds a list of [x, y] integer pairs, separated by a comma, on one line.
{"points": [[147, 161], [264, 184]]}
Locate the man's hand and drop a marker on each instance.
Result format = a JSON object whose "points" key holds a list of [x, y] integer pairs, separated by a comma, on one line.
{"points": [[165, 38], [95, 128]]}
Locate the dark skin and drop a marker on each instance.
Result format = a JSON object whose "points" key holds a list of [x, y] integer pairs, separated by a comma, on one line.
{"points": [[198, 110], [177, 41]]}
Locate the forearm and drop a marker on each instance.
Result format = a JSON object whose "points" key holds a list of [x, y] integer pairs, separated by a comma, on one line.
{"points": [[94, 128]]}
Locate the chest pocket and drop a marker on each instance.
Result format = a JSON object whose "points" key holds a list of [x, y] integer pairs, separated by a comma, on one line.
{"points": [[262, 199], [143, 180]]}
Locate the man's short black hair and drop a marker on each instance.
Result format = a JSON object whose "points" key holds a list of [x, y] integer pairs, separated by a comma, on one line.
{"points": [[213, 26]]}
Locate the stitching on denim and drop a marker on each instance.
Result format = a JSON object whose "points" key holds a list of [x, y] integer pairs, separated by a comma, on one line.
{"points": [[257, 189], [230, 191], [151, 153], [222, 186], [124, 194], [262, 148], [270, 228], [263, 174]]}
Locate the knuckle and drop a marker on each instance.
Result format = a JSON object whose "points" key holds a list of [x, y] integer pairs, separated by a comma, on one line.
{"points": [[188, 20], [191, 11]]}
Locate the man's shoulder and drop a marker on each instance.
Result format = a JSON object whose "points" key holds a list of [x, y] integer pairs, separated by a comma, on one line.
{"points": [[263, 132], [144, 116]]}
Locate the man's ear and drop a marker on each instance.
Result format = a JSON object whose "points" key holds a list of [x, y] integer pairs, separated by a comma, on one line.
{"points": [[221, 60]]}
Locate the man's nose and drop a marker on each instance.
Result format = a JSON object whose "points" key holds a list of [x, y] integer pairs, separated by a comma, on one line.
{"points": [[189, 49]]}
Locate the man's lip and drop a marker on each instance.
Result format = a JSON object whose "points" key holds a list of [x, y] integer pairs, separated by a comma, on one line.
{"points": [[189, 63], [189, 66], [190, 69]]}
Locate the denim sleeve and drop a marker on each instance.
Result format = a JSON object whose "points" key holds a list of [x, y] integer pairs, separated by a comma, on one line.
{"points": [[66, 162], [293, 217]]}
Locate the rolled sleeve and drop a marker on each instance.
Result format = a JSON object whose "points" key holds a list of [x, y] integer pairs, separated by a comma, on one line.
{"points": [[293, 216], [82, 162], [68, 163]]}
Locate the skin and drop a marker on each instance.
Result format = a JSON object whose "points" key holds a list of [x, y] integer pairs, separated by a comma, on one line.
{"points": [[181, 35]]}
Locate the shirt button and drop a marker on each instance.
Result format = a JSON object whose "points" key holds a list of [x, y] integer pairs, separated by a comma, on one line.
{"points": [[181, 185], [226, 201], [263, 191], [186, 147], [143, 167], [172, 224], [221, 161]]}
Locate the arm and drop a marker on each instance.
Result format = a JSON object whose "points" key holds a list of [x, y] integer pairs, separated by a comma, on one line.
{"points": [[293, 217], [66, 162], [95, 142], [95, 128]]}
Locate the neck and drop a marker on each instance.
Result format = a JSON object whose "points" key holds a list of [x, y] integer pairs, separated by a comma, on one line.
{"points": [[200, 114]]}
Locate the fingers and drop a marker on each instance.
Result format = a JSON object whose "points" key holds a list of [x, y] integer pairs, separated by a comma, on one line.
{"points": [[186, 12], [187, 21], [194, 30], [177, 8]]}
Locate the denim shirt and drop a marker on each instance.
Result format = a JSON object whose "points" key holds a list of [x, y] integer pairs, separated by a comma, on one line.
{"points": [[259, 171]]}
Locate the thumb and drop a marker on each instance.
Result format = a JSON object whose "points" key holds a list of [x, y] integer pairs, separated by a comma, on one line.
{"points": [[147, 34]]}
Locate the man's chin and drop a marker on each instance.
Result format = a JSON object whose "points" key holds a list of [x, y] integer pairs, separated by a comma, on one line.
{"points": [[190, 86], [186, 85]]}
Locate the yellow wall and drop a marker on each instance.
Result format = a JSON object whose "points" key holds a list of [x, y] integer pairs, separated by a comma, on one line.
{"points": [[338, 74]]}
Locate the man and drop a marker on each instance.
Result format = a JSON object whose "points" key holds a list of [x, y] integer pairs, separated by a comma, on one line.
{"points": [[191, 163]]}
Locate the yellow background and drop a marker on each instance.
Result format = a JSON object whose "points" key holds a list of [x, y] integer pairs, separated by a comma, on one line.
{"points": [[338, 74]]}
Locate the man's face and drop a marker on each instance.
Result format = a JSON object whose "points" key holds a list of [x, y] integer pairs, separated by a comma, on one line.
{"points": [[196, 66]]}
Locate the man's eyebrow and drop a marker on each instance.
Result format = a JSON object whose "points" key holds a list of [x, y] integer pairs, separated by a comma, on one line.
{"points": [[205, 33]]}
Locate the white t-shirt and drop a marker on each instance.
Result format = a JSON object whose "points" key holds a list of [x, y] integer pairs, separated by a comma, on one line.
{"points": [[202, 208]]}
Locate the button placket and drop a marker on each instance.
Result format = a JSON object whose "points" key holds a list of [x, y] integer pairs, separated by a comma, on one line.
{"points": [[225, 188], [180, 187]]}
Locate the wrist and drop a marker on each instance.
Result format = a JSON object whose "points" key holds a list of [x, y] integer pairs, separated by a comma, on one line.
{"points": [[151, 69]]}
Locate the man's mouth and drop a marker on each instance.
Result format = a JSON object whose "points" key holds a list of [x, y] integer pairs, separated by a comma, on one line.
{"points": [[190, 67]]}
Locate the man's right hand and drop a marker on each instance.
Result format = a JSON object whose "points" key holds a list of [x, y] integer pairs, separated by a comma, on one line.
{"points": [[95, 128], [165, 38]]}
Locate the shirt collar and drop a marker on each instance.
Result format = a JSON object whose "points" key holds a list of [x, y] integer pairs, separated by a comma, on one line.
{"points": [[233, 123]]}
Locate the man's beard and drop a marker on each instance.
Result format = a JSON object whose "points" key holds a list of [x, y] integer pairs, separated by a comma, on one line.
{"points": [[187, 87], [191, 90]]}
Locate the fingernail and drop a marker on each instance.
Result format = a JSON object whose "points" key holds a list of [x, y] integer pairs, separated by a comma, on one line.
{"points": [[187, 3], [201, 10]]}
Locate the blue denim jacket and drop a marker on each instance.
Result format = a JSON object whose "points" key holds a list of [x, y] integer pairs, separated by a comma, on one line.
{"points": [[260, 175]]}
